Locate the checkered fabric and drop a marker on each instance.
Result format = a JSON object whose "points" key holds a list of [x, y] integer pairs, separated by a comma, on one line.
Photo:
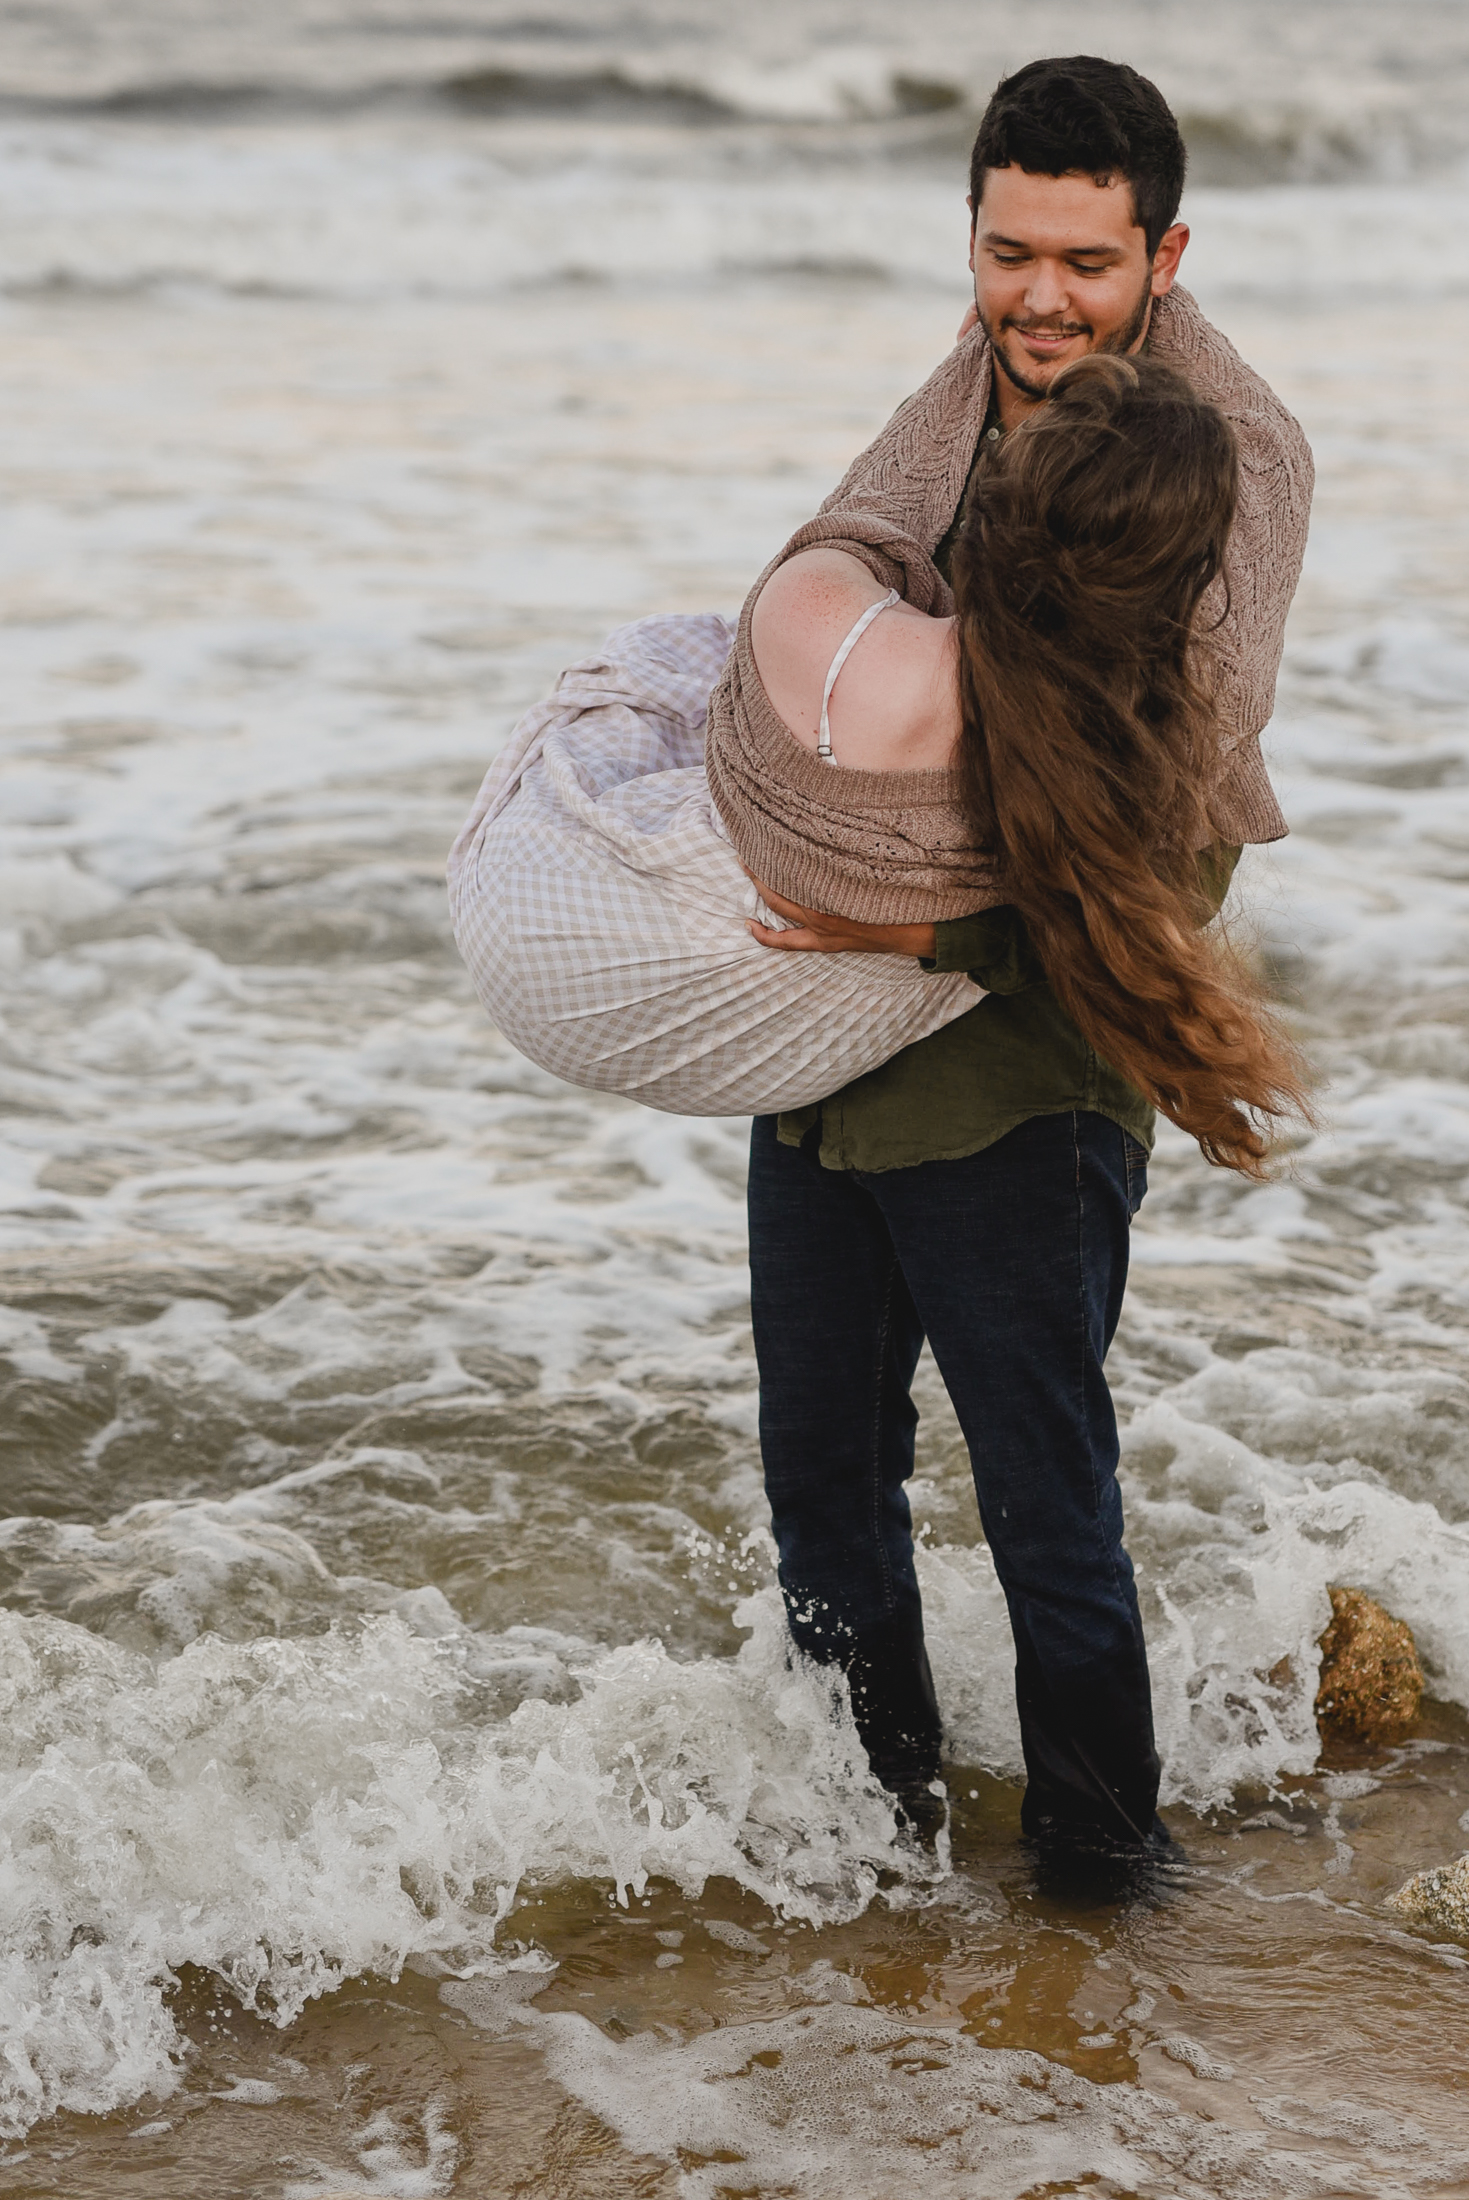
{"points": [[601, 911]]}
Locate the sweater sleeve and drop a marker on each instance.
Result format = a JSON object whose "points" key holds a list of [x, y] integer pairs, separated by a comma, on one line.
{"points": [[1248, 607], [914, 471], [1267, 546]]}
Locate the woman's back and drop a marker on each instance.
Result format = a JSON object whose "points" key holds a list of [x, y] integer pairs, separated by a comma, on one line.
{"points": [[894, 704], [886, 837]]}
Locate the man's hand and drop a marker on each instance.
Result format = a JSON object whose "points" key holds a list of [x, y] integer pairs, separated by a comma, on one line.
{"points": [[816, 934]]}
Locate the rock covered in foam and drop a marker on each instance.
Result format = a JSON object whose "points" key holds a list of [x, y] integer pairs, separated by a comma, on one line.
{"points": [[1371, 1681], [1438, 1898]]}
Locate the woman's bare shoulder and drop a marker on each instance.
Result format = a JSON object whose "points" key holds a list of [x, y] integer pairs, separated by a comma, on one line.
{"points": [[801, 617]]}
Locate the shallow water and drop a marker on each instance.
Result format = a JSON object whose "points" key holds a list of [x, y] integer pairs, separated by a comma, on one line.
{"points": [[387, 1614]]}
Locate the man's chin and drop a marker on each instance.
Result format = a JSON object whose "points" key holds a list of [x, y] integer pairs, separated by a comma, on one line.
{"points": [[1033, 376]]}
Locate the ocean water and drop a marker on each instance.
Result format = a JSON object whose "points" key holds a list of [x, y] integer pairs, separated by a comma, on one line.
{"points": [[405, 1789]]}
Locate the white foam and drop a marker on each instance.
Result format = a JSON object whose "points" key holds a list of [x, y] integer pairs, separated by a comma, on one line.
{"points": [[391, 2159], [181, 207], [52, 886], [287, 1814], [847, 2103]]}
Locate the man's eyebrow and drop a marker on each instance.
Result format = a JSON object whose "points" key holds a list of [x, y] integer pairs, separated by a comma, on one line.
{"points": [[1072, 251]]}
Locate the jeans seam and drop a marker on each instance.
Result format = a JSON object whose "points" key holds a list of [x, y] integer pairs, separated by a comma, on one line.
{"points": [[884, 1332], [1086, 1419]]}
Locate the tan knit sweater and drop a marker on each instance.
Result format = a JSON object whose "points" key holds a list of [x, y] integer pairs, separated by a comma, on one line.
{"points": [[894, 847]]}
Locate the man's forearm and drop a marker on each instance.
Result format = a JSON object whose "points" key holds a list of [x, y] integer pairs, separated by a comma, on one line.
{"points": [[995, 950]]}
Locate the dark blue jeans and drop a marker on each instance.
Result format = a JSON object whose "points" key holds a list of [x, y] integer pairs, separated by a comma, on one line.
{"points": [[1012, 1262]]}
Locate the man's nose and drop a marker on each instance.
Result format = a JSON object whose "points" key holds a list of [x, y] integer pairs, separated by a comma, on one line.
{"points": [[1049, 289]]}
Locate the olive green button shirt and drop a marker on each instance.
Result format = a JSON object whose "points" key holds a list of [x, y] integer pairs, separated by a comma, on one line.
{"points": [[1013, 1055]]}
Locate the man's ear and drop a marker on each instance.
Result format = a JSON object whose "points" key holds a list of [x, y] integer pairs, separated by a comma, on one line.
{"points": [[973, 229], [1165, 260]]}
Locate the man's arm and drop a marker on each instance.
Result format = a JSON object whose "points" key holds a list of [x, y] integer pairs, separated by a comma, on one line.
{"points": [[812, 932], [1267, 544], [915, 469], [991, 945]]}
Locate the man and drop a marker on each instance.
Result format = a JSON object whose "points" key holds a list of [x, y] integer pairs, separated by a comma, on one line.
{"points": [[978, 1189]]}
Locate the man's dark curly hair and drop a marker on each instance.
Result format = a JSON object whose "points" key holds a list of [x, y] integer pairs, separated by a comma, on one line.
{"points": [[1099, 118]]}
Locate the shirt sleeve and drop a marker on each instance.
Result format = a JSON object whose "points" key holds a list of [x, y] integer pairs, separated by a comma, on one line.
{"points": [[1217, 865], [993, 947]]}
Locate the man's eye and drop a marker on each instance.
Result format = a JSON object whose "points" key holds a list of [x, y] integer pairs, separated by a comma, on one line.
{"points": [[1009, 259]]}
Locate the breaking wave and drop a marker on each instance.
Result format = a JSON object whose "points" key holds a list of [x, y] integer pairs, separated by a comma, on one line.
{"points": [[827, 103], [289, 1814]]}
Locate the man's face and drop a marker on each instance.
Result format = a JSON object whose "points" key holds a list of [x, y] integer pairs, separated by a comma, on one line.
{"points": [[1060, 269]]}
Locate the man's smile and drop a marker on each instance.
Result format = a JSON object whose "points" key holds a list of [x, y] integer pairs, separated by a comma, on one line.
{"points": [[1043, 343]]}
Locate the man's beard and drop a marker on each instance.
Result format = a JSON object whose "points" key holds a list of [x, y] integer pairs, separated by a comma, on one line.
{"points": [[1122, 340]]}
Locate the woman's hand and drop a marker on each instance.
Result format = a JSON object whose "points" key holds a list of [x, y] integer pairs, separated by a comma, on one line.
{"points": [[816, 934]]}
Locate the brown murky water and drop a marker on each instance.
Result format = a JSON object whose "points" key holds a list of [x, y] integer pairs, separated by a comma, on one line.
{"points": [[1251, 2029]]}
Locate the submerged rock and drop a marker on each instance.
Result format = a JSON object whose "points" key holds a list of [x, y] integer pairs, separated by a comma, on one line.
{"points": [[1439, 1898], [1371, 1681]]}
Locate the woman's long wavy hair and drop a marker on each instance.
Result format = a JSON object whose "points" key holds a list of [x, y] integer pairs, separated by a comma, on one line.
{"points": [[1089, 745]]}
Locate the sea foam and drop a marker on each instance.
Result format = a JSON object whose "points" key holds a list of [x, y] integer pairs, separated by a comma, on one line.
{"points": [[287, 1814]]}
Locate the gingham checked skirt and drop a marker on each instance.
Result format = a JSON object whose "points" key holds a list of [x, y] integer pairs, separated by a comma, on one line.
{"points": [[601, 911]]}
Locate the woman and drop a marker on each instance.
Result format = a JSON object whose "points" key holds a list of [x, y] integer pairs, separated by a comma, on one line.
{"points": [[602, 911], [1048, 744]]}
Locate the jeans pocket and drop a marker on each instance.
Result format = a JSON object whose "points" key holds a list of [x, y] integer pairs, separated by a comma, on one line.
{"points": [[1137, 1172]]}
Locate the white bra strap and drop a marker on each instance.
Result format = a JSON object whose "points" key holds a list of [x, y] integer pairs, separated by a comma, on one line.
{"points": [[823, 745]]}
